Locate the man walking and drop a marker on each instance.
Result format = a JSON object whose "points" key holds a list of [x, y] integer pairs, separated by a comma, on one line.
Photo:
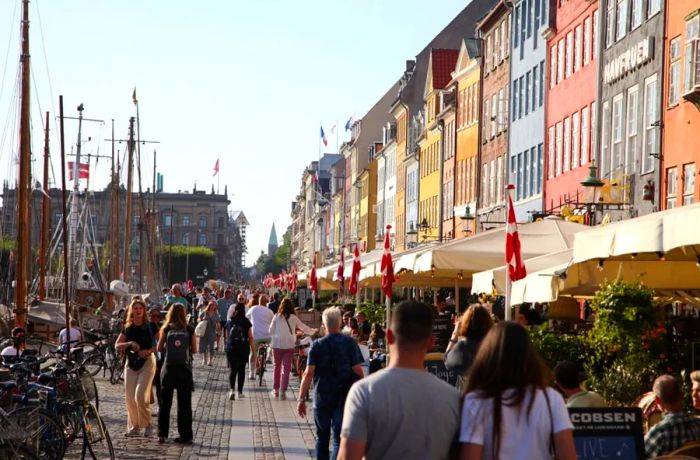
{"points": [[334, 363], [261, 318], [402, 412], [275, 304]]}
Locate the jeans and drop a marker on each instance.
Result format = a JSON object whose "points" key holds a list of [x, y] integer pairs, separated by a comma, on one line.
{"points": [[283, 366], [184, 409], [327, 418], [237, 360]]}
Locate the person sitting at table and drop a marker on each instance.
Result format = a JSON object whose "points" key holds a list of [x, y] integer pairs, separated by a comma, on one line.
{"points": [[567, 376], [677, 427], [695, 391], [13, 351]]}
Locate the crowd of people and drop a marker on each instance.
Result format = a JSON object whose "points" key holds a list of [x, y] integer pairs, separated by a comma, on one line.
{"points": [[507, 404]]}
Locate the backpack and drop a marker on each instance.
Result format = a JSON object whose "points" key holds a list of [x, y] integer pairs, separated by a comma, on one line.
{"points": [[177, 347], [236, 337]]}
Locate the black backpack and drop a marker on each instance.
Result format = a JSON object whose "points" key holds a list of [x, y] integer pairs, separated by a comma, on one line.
{"points": [[236, 337], [177, 347]]}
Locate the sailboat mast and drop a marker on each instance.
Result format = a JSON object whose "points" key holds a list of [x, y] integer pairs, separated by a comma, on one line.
{"points": [[113, 233], [45, 212], [129, 215], [23, 195], [75, 201]]}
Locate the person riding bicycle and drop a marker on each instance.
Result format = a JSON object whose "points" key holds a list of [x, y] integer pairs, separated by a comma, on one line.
{"points": [[261, 317]]}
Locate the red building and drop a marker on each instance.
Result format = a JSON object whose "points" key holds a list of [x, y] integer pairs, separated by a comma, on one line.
{"points": [[570, 109]]}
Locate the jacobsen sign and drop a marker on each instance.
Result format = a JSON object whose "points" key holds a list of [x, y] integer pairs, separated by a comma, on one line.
{"points": [[607, 433], [629, 60]]}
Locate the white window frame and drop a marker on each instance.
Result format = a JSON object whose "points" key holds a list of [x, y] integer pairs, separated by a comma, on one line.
{"points": [[535, 87], [494, 115], [492, 182], [500, 188], [559, 147], [637, 14], [610, 24], [605, 140], [622, 9], [674, 72], [561, 61], [585, 125], [617, 130], [651, 116], [578, 37], [553, 66], [587, 42], [569, 54], [671, 187], [550, 152], [654, 7], [688, 183], [575, 139], [632, 124], [692, 54], [567, 144]]}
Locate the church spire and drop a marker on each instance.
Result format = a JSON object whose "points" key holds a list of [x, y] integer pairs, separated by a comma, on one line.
{"points": [[272, 243]]}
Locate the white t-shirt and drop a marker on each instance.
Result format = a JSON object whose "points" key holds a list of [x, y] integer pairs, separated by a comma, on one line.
{"points": [[261, 318], [523, 436], [9, 351], [75, 336]]}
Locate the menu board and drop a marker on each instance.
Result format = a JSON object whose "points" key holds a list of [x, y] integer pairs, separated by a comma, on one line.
{"points": [[442, 331], [436, 365], [610, 432]]}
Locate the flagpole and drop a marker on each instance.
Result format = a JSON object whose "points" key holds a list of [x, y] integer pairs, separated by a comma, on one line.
{"points": [[506, 307], [218, 177], [337, 143]]}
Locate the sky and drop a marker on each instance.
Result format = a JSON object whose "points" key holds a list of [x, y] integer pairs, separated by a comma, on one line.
{"points": [[245, 81]]}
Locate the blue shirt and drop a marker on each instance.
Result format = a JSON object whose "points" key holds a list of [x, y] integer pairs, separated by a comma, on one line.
{"points": [[333, 357]]}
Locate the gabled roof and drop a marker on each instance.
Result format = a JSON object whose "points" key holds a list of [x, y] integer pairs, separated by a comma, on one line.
{"points": [[469, 51], [442, 64]]}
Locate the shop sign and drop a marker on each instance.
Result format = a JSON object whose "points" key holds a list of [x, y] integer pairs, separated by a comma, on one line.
{"points": [[611, 432], [629, 60]]}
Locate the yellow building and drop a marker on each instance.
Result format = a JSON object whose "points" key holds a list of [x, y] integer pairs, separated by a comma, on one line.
{"points": [[466, 76], [442, 63], [367, 182], [400, 113]]}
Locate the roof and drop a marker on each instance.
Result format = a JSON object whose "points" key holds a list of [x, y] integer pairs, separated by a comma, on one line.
{"points": [[442, 64], [273, 236]]}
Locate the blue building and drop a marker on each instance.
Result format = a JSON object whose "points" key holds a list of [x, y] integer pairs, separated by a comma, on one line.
{"points": [[527, 75]]}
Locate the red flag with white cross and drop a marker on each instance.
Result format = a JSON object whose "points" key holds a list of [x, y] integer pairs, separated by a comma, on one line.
{"points": [[514, 256], [387, 266], [356, 267]]}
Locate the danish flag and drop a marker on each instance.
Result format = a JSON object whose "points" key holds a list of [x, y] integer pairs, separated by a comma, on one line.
{"points": [[313, 280], [341, 269], [83, 170], [387, 265], [514, 257], [355, 276]]}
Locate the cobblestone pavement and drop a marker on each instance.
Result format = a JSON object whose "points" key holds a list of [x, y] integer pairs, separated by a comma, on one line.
{"points": [[255, 427]]}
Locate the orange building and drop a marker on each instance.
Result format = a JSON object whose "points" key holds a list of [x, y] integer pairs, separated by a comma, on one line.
{"points": [[681, 103]]}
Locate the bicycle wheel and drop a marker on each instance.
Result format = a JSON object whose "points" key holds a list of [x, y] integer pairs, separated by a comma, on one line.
{"points": [[116, 372], [17, 452], [45, 436], [262, 358], [90, 387], [95, 435], [93, 359]]}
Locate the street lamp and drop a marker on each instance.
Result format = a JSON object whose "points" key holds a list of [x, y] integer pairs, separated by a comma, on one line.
{"points": [[466, 218], [591, 185]]}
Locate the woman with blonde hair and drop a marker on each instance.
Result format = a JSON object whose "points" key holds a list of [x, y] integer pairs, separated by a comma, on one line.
{"points": [[137, 342], [283, 332], [177, 344]]}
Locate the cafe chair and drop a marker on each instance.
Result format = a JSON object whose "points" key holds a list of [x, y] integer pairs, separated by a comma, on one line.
{"points": [[691, 449]]}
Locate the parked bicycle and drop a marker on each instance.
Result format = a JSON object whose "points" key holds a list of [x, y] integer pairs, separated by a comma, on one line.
{"points": [[101, 355], [261, 361]]}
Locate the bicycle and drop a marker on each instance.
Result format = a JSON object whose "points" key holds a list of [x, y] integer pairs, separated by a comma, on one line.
{"points": [[13, 438], [261, 361]]}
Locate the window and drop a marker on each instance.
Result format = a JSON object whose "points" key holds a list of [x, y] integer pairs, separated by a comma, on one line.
{"points": [[528, 7], [515, 99], [594, 121], [487, 57], [560, 146], [168, 220], [621, 26], [501, 111], [540, 166], [584, 134], [202, 239], [202, 221], [516, 26], [494, 109], [186, 239], [586, 41], [521, 100], [569, 54], [632, 122], [567, 143], [688, 183], [504, 37], [484, 184], [575, 139], [605, 140], [654, 7], [651, 118], [616, 158], [674, 71], [577, 47], [550, 152], [497, 49], [518, 173], [527, 93], [636, 13], [486, 119], [595, 33], [500, 188], [691, 78], [560, 61], [537, 17], [540, 95], [535, 88], [610, 24], [671, 187], [553, 66], [219, 239], [492, 182], [185, 219]]}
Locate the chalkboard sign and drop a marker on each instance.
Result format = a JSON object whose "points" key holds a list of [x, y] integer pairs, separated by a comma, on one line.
{"points": [[442, 331], [438, 369], [606, 433]]}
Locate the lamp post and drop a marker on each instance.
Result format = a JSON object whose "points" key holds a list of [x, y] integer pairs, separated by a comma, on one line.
{"points": [[466, 218], [591, 185]]}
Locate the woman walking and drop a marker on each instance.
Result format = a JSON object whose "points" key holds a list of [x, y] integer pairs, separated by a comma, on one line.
{"points": [[240, 337], [283, 331], [137, 341], [509, 411], [468, 335], [177, 344], [207, 341]]}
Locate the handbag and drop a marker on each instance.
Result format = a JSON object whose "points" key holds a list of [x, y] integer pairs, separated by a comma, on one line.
{"points": [[297, 342], [201, 328]]}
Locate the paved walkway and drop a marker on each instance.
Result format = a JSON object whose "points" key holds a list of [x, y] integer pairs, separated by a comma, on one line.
{"points": [[255, 427]]}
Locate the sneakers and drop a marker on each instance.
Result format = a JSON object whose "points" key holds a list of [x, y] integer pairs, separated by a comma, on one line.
{"points": [[240, 395], [149, 431], [283, 396], [133, 433], [274, 394], [231, 395], [251, 377]]}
